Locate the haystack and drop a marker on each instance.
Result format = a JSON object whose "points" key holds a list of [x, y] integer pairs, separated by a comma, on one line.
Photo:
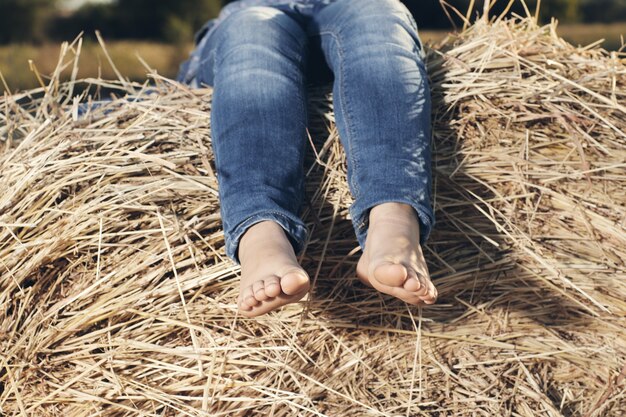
{"points": [[116, 298]]}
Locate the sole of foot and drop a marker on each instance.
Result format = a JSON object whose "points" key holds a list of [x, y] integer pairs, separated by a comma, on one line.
{"points": [[271, 276], [393, 262]]}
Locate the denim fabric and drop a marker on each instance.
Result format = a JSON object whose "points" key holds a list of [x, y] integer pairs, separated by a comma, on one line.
{"points": [[189, 68], [259, 60]]}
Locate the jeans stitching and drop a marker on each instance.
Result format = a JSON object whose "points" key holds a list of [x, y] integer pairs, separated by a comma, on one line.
{"points": [[345, 109], [211, 67]]}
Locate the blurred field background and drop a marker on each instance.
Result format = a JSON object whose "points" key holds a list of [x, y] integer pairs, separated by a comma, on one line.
{"points": [[161, 32]]}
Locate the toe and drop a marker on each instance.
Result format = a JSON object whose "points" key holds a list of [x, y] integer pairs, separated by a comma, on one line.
{"points": [[412, 283], [390, 274], [431, 296], [259, 290], [294, 282], [242, 305], [272, 286], [247, 297]]}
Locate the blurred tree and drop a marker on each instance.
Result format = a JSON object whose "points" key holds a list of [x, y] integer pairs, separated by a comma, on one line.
{"points": [[177, 20], [168, 20], [603, 11], [177, 30], [24, 20], [87, 19], [567, 11], [162, 19]]}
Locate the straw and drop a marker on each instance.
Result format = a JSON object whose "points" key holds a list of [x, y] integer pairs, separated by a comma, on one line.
{"points": [[117, 298]]}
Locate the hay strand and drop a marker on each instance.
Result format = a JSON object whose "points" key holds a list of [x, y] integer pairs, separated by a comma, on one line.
{"points": [[117, 299]]}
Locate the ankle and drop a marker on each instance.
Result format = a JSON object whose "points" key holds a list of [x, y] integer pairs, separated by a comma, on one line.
{"points": [[392, 211], [259, 235]]}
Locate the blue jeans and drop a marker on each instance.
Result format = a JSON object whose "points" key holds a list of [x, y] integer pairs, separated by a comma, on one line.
{"points": [[259, 61]]}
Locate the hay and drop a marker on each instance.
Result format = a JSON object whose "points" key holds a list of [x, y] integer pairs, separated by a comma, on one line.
{"points": [[116, 298]]}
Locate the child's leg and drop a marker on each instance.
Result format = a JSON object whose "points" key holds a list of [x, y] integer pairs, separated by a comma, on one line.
{"points": [[254, 61], [382, 108]]}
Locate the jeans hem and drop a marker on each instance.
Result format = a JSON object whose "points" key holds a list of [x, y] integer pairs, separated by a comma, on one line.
{"points": [[360, 220], [294, 229]]}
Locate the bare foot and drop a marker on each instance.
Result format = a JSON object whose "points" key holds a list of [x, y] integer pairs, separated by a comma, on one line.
{"points": [[393, 262], [270, 274]]}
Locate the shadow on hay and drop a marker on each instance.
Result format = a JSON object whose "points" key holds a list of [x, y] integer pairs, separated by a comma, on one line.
{"points": [[469, 259]]}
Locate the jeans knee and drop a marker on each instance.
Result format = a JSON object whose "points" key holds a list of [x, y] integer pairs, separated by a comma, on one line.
{"points": [[261, 29], [252, 15], [395, 27]]}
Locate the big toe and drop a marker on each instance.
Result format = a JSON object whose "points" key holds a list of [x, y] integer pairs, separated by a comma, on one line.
{"points": [[391, 274], [294, 282]]}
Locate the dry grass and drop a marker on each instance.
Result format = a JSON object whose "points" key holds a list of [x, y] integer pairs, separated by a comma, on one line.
{"points": [[116, 298], [14, 61], [166, 58]]}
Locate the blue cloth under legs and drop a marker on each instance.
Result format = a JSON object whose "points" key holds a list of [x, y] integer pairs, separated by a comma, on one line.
{"points": [[382, 105], [255, 61]]}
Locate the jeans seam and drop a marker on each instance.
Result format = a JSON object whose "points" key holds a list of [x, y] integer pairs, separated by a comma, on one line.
{"points": [[211, 65], [212, 120], [345, 109]]}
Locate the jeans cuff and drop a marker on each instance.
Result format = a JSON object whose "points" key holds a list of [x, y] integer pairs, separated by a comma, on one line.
{"points": [[294, 229], [360, 218]]}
